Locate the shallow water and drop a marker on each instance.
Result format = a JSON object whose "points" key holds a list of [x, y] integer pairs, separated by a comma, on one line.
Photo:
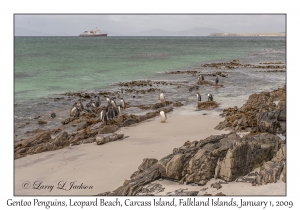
{"points": [[46, 67]]}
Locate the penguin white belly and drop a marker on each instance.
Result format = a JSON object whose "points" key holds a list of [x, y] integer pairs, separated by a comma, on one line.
{"points": [[163, 117]]}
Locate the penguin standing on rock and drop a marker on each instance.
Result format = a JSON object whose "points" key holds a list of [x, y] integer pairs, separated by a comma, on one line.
{"points": [[198, 97], [98, 102], [163, 116], [161, 97], [103, 116], [122, 103], [210, 97], [110, 112], [217, 80]]}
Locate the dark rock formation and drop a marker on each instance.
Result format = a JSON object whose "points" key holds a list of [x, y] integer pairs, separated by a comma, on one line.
{"points": [[206, 105], [105, 138], [258, 114], [226, 156]]}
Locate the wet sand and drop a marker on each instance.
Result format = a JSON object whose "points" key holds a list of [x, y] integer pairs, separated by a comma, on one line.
{"points": [[95, 169]]}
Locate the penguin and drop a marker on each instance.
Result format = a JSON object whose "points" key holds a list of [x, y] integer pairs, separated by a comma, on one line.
{"points": [[113, 103], [81, 107], [217, 80], [119, 111], [122, 103], [116, 111], [210, 97], [202, 77], [198, 96], [103, 116], [163, 116], [52, 115], [161, 97], [73, 111], [98, 102], [107, 99], [110, 112], [77, 114]]}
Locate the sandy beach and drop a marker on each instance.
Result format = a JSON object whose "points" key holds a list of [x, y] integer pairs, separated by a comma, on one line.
{"points": [[90, 169]]}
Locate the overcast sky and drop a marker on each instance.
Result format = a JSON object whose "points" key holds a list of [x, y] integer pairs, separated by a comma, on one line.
{"points": [[73, 25]]}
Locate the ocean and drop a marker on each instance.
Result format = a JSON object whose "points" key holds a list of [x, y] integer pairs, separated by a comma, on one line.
{"points": [[47, 67]]}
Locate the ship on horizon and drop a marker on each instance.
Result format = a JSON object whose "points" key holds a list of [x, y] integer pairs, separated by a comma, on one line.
{"points": [[92, 33]]}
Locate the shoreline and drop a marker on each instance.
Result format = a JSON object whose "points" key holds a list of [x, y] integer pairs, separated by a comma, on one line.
{"points": [[84, 163]]}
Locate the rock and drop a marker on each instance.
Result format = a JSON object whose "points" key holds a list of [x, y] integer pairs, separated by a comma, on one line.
{"points": [[177, 104], [151, 189], [226, 156], [136, 185], [174, 167], [182, 192], [216, 185], [105, 138], [220, 194], [147, 162], [206, 105], [42, 122], [267, 121]]}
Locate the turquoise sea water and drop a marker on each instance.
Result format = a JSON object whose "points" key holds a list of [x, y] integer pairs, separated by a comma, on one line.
{"points": [[45, 67]]}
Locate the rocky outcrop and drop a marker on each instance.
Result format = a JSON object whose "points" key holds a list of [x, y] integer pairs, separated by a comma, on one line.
{"points": [[207, 105], [105, 138], [226, 156], [259, 114]]}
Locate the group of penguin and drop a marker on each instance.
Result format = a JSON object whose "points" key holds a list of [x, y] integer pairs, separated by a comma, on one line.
{"points": [[110, 111], [209, 96], [201, 78], [113, 110]]}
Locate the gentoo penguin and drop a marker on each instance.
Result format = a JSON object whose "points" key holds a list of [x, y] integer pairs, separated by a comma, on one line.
{"points": [[122, 103], [210, 97], [110, 112], [119, 111], [53, 115], [98, 102], [103, 116], [77, 114], [107, 99], [81, 107], [199, 80], [163, 116], [198, 96], [113, 103], [161, 97], [73, 110], [217, 80], [202, 77]]}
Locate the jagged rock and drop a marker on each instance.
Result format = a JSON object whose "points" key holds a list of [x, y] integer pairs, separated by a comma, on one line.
{"points": [[105, 138], [207, 105], [136, 184], [284, 174], [174, 167], [267, 121], [270, 171], [216, 185], [160, 105], [177, 104], [151, 189], [220, 194], [259, 113], [226, 156], [147, 162], [182, 192]]}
